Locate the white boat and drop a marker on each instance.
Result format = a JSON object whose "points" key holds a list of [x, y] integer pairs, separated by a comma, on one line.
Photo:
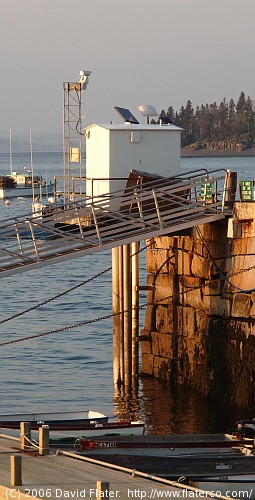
{"points": [[24, 185], [56, 420], [74, 424]]}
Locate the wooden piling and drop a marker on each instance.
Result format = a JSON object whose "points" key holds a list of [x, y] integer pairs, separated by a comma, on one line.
{"points": [[25, 435], [116, 315], [135, 307], [44, 444], [121, 309], [230, 189], [125, 306], [16, 470], [102, 489], [127, 317]]}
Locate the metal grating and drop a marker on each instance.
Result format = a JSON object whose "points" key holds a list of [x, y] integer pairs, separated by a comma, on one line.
{"points": [[161, 206]]}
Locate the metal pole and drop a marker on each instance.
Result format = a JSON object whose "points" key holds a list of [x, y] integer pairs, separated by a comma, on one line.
{"points": [[135, 306], [116, 315]]}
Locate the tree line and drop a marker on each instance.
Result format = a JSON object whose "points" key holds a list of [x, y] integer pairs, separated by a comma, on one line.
{"points": [[213, 126]]}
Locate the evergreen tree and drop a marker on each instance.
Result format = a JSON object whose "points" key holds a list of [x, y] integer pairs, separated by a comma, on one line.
{"points": [[228, 121]]}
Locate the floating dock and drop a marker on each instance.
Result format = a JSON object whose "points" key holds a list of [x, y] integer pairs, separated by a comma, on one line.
{"points": [[63, 474]]}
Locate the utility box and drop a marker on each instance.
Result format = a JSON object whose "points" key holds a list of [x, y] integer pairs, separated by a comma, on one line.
{"points": [[113, 150]]}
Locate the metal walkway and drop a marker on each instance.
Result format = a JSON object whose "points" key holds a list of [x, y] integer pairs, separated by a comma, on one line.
{"points": [[158, 207]]}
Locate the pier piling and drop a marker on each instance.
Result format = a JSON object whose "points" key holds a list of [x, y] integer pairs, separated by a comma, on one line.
{"points": [[135, 307], [127, 317], [16, 470], [103, 488], [25, 435], [44, 443], [116, 316], [125, 305]]}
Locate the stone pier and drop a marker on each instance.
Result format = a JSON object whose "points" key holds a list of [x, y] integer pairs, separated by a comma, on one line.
{"points": [[200, 321]]}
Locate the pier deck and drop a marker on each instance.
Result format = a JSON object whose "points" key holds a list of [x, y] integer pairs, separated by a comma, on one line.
{"points": [[59, 476]]}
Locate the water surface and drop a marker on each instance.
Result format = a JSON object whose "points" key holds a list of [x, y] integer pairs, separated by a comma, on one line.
{"points": [[72, 369]]}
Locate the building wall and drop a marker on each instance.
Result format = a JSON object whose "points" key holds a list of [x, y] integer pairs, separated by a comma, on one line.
{"points": [[110, 153], [97, 160], [200, 329], [158, 152]]}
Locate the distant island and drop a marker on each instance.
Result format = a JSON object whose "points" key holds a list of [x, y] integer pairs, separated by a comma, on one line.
{"points": [[225, 129], [207, 153]]}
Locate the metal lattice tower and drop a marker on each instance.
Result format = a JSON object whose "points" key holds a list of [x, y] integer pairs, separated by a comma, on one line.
{"points": [[73, 141]]}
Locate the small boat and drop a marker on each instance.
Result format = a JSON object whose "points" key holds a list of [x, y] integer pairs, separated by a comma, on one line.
{"points": [[245, 428], [79, 423], [24, 185], [56, 420], [162, 445], [172, 456], [227, 484]]}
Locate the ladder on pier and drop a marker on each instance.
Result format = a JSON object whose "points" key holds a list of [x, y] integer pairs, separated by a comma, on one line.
{"points": [[158, 207]]}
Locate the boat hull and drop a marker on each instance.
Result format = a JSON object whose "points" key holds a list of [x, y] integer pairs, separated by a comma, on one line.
{"points": [[165, 445], [76, 424], [25, 192], [235, 486], [173, 456], [57, 421], [109, 430], [175, 467]]}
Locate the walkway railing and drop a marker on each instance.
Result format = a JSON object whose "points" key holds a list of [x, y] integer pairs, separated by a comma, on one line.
{"points": [[161, 206]]}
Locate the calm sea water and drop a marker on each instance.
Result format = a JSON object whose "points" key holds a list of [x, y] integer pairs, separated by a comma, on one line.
{"points": [[73, 369]]}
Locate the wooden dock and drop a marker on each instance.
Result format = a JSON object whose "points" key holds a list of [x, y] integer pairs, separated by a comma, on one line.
{"points": [[61, 475]]}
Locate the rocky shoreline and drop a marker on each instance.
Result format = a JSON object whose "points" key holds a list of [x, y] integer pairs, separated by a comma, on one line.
{"points": [[205, 153]]}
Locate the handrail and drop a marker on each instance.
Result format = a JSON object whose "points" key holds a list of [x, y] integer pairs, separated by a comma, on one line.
{"points": [[109, 220]]}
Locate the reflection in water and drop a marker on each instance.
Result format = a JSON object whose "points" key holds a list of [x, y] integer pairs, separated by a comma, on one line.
{"points": [[167, 409]]}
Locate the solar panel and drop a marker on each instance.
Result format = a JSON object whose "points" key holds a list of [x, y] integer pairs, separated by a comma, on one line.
{"points": [[165, 120], [126, 115]]}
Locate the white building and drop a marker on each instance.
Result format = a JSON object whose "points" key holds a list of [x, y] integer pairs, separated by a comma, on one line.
{"points": [[113, 150]]}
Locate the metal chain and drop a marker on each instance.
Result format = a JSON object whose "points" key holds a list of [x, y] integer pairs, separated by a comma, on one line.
{"points": [[47, 301], [109, 316], [219, 269], [32, 308], [66, 328]]}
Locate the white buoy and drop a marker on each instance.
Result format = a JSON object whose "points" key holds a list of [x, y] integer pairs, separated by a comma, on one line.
{"points": [[7, 203]]}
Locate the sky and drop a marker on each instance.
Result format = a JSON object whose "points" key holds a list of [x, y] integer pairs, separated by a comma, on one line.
{"points": [[159, 52]]}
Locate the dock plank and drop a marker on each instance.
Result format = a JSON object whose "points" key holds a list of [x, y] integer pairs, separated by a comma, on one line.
{"points": [[59, 476]]}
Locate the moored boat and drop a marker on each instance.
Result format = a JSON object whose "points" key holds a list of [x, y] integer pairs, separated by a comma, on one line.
{"points": [[24, 185], [245, 428], [163, 445], [55, 420], [173, 456], [79, 423], [230, 485]]}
